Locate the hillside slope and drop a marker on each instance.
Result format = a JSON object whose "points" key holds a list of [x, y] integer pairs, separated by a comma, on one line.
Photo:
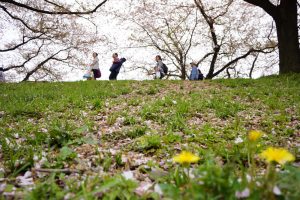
{"points": [[99, 135]]}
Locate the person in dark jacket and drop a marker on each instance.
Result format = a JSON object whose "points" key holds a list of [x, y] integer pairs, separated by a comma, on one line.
{"points": [[159, 72], [116, 66]]}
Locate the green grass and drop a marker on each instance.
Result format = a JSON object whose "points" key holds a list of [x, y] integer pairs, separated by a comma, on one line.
{"points": [[105, 128]]}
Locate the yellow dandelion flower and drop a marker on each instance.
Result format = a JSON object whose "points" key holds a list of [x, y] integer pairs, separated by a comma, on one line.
{"points": [[254, 135], [278, 155], [186, 158]]}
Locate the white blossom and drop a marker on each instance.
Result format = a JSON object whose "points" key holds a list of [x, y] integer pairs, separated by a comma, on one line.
{"points": [[277, 191], [238, 140], [158, 189], [243, 194], [128, 175]]}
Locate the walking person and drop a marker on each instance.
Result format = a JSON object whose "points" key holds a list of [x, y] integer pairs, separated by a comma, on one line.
{"points": [[194, 72], [94, 66], [116, 66], [160, 69], [2, 75]]}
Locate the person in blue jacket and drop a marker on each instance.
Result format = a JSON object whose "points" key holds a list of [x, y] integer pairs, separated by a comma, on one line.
{"points": [[194, 73], [116, 66]]}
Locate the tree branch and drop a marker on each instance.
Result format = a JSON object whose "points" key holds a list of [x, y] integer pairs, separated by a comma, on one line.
{"points": [[55, 4], [21, 44], [241, 57], [225, 10], [210, 22], [18, 19], [203, 58], [42, 63], [266, 5], [28, 59], [52, 12], [253, 65]]}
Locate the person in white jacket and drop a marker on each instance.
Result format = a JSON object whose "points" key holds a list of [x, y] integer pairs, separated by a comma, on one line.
{"points": [[2, 75], [94, 66]]}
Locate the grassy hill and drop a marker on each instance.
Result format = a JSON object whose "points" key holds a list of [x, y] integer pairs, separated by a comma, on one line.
{"points": [[116, 140]]}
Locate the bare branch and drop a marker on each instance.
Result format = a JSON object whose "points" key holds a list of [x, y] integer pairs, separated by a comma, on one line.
{"points": [[253, 65], [55, 4], [227, 6], [40, 65], [27, 60], [27, 7], [18, 19], [242, 57], [266, 5], [21, 44], [203, 58]]}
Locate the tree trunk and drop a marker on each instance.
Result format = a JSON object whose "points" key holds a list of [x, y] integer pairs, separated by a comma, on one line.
{"points": [[183, 73], [210, 74], [285, 16], [287, 33]]}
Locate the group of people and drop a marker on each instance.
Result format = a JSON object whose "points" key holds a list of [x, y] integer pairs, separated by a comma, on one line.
{"points": [[161, 70], [93, 71]]}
